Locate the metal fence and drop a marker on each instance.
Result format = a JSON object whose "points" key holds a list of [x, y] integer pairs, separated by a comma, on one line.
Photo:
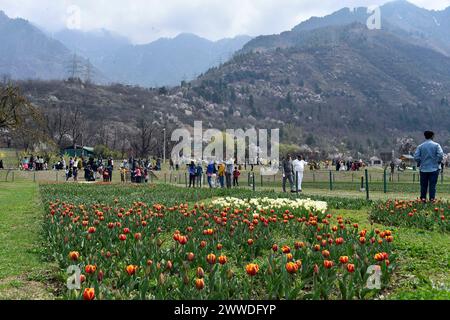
{"points": [[373, 180]]}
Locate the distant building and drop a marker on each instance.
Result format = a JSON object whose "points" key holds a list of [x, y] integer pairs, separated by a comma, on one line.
{"points": [[375, 161], [78, 151], [408, 160]]}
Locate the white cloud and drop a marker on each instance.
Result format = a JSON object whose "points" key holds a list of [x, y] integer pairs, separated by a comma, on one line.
{"points": [[146, 20]]}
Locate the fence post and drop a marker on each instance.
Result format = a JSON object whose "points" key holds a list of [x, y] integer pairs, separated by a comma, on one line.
{"points": [[248, 179], [57, 176], [34, 176], [367, 184], [384, 181], [185, 179], [414, 178], [254, 184], [165, 177], [296, 182], [261, 179], [331, 181], [13, 176], [442, 176]]}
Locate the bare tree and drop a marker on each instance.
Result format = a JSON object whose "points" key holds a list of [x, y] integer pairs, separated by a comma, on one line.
{"points": [[145, 140]]}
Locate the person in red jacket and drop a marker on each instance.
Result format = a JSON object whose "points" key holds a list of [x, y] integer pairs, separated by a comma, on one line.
{"points": [[236, 174]]}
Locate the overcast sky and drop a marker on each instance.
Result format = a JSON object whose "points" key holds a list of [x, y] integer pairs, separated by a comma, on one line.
{"points": [[145, 20]]}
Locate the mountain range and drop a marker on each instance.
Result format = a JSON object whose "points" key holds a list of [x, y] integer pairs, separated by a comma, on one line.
{"points": [[30, 53], [330, 84]]}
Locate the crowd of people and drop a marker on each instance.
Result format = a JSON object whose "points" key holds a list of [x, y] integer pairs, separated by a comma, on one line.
{"points": [[219, 175], [348, 165], [138, 170], [33, 163]]}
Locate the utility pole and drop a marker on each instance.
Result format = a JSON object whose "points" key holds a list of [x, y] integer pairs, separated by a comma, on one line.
{"points": [[164, 146]]}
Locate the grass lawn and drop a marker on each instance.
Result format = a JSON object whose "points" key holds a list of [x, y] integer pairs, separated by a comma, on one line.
{"points": [[424, 260], [23, 275]]}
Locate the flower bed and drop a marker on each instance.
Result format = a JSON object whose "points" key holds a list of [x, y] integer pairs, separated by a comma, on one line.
{"points": [[217, 251], [428, 216], [269, 203]]}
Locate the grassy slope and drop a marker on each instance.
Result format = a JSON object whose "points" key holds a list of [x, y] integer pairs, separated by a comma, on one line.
{"points": [[22, 272]]}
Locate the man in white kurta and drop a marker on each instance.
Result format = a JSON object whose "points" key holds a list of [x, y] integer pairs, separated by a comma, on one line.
{"points": [[299, 167]]}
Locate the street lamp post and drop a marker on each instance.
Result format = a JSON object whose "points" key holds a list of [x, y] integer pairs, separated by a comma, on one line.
{"points": [[164, 146]]}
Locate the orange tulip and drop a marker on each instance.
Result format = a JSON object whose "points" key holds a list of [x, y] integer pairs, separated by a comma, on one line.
{"points": [[199, 284], [223, 260], [325, 253], [74, 255], [252, 269], [182, 240], [131, 269], [89, 294], [286, 249], [291, 267], [90, 268], [343, 259], [328, 264], [190, 256], [91, 230], [211, 258]]}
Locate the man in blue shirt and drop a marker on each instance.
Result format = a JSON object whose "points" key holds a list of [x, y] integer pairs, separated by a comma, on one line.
{"points": [[429, 156]]}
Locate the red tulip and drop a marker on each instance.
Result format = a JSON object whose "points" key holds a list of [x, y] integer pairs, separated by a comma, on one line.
{"points": [[343, 259], [328, 264], [351, 268], [90, 268], [89, 294]]}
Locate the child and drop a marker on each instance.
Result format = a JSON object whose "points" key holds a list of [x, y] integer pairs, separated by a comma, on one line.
{"points": [[123, 174], [236, 174], [68, 173], [106, 176]]}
